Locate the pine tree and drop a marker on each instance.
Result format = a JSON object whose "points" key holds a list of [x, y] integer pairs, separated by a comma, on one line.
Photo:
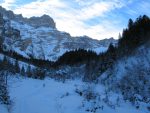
{"points": [[39, 73], [17, 68], [29, 73], [4, 97], [112, 52], [119, 37], [5, 63], [22, 71], [130, 23]]}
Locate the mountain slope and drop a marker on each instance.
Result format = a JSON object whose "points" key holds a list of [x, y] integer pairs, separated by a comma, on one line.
{"points": [[130, 76], [38, 37]]}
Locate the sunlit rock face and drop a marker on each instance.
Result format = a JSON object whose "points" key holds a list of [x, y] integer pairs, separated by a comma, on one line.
{"points": [[45, 21], [38, 37]]}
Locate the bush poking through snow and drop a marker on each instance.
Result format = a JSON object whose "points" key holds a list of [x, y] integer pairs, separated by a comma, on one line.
{"points": [[4, 97]]}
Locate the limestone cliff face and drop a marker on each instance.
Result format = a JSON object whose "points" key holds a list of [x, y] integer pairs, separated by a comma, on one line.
{"points": [[38, 36], [45, 20]]}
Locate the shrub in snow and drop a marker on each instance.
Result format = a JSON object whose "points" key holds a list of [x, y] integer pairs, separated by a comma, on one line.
{"points": [[87, 92], [4, 97], [39, 73], [148, 108], [135, 84]]}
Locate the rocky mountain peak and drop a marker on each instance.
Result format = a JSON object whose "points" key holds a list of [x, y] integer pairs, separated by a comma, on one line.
{"points": [[7, 13], [38, 36], [43, 21]]}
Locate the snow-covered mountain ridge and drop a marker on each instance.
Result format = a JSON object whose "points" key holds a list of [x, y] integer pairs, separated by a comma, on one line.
{"points": [[38, 36]]}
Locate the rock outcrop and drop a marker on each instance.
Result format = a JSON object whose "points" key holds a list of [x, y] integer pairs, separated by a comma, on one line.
{"points": [[43, 21]]}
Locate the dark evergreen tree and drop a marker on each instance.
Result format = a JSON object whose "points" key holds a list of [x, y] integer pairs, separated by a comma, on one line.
{"points": [[136, 34], [76, 57], [29, 72], [22, 71], [4, 97], [112, 53], [5, 63], [17, 68], [39, 73], [130, 24], [91, 70]]}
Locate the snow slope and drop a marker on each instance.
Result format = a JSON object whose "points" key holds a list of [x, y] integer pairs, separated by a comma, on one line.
{"points": [[141, 57], [3, 109], [129, 73], [48, 43], [50, 96]]}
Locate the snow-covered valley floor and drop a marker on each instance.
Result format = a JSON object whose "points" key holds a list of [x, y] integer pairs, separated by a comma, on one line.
{"points": [[50, 96]]}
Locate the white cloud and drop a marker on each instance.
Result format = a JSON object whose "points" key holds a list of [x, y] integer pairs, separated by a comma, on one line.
{"points": [[72, 20], [8, 3], [98, 9], [39, 7]]}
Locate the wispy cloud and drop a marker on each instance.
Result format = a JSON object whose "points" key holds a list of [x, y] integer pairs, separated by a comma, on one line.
{"points": [[8, 3], [99, 9], [39, 7]]}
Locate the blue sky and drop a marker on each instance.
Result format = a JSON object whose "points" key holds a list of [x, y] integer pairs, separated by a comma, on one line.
{"points": [[97, 19]]}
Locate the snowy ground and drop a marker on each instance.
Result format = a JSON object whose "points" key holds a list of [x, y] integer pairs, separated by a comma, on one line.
{"points": [[50, 96]]}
